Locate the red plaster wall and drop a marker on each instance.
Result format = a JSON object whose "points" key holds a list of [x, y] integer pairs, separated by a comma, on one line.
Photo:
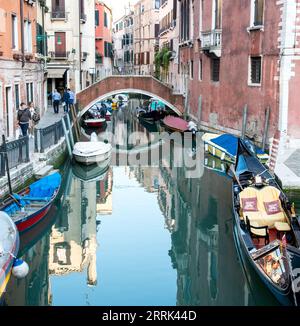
{"points": [[227, 98], [105, 33]]}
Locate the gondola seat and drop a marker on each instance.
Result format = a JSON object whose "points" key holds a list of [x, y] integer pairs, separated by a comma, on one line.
{"points": [[262, 206]]}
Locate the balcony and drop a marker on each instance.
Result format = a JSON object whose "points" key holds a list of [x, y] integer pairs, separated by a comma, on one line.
{"points": [[211, 41], [59, 55], [58, 15]]}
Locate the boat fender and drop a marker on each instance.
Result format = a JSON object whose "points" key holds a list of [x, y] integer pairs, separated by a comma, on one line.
{"points": [[20, 269]]}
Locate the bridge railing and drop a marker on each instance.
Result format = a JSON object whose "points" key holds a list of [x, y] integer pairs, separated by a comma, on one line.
{"points": [[44, 138], [17, 152]]}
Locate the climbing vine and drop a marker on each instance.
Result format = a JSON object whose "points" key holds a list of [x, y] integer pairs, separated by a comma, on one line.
{"points": [[162, 61]]}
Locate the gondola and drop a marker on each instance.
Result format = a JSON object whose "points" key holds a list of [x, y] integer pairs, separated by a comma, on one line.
{"points": [[266, 228], [31, 205], [224, 147], [152, 117], [9, 247]]}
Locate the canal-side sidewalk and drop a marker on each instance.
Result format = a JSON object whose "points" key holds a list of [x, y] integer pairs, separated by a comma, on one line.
{"points": [[288, 167], [38, 161]]}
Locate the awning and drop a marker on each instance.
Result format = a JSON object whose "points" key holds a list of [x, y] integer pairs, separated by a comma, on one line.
{"points": [[56, 73]]}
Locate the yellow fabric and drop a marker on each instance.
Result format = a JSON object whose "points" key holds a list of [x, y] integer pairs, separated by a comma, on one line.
{"points": [[260, 232], [266, 194], [282, 227]]}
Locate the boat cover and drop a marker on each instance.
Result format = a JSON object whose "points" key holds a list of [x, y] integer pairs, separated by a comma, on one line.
{"points": [[230, 143], [157, 105], [89, 148], [45, 187], [176, 123], [41, 190]]}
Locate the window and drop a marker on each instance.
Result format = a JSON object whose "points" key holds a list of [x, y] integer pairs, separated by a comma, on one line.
{"points": [[185, 20], [217, 14], [105, 19], [255, 70], [29, 31], [29, 92], [25, 36], [191, 69], [107, 50], [14, 32], [215, 69], [156, 4], [257, 12], [200, 70], [97, 17], [17, 96], [58, 9]]}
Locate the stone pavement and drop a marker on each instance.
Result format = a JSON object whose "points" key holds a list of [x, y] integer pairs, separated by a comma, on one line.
{"points": [[288, 167], [293, 162], [48, 119]]}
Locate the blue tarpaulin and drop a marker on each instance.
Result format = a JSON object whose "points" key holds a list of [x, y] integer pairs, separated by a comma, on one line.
{"points": [[230, 143], [46, 186]]}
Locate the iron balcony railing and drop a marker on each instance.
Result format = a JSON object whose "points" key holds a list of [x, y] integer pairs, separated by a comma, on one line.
{"points": [[17, 152], [211, 39], [59, 54], [58, 14]]}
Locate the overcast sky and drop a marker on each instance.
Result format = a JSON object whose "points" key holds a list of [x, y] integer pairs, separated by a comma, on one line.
{"points": [[118, 6]]}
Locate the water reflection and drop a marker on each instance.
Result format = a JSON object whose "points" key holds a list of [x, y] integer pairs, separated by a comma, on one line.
{"points": [[139, 236]]}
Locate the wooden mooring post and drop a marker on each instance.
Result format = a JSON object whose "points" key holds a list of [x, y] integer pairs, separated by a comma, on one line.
{"points": [[266, 129]]}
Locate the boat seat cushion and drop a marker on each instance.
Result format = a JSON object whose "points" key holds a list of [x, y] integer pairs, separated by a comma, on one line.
{"points": [[268, 204]]}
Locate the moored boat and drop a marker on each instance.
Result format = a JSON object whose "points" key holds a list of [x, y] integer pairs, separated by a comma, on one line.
{"points": [[31, 205], [95, 122], [176, 124], [91, 152], [224, 147], [9, 247], [266, 228]]}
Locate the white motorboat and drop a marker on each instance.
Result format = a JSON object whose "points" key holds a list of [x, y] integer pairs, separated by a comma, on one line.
{"points": [[92, 152]]}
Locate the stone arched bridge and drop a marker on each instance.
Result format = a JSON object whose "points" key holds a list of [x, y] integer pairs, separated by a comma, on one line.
{"points": [[113, 85]]}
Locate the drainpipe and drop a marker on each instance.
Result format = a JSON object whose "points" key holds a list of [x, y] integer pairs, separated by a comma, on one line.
{"points": [[80, 54], [22, 32]]}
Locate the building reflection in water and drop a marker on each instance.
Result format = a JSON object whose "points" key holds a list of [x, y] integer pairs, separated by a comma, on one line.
{"points": [[34, 290], [73, 242], [198, 216]]}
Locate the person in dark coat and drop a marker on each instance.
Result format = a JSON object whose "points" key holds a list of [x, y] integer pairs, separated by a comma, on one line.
{"points": [[24, 117], [66, 101]]}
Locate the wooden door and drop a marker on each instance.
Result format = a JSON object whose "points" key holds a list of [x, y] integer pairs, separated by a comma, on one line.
{"points": [[60, 45]]}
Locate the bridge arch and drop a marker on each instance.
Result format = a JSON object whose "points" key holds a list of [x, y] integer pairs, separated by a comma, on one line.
{"points": [[146, 85]]}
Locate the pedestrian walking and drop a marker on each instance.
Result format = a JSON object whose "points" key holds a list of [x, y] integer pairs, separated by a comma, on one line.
{"points": [[66, 100], [35, 118], [71, 98], [56, 97], [24, 117]]}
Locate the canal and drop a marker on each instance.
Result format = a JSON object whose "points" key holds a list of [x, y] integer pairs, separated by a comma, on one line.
{"points": [[133, 235]]}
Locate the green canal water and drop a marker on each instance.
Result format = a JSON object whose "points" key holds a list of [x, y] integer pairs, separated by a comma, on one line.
{"points": [[136, 236]]}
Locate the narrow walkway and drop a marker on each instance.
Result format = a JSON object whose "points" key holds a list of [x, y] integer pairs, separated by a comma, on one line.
{"points": [[49, 118], [288, 168]]}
